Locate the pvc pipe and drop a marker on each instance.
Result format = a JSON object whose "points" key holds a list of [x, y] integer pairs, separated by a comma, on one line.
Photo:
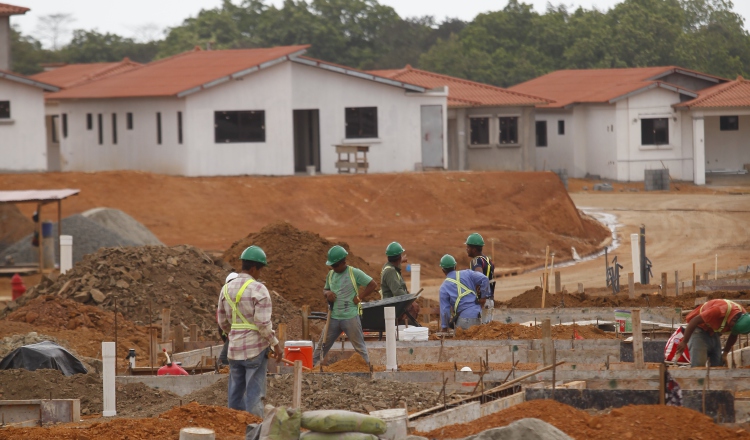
{"points": [[716, 268], [66, 253], [635, 249], [390, 339], [195, 433], [415, 279], [108, 379]]}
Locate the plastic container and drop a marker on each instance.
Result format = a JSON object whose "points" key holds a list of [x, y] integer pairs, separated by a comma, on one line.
{"points": [[46, 229], [414, 334], [395, 420], [299, 351]]}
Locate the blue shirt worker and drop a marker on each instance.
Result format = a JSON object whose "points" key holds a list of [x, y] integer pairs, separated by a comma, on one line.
{"points": [[459, 295], [484, 264], [342, 293]]}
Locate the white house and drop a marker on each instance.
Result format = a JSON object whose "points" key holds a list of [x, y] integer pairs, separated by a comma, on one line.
{"points": [[489, 128], [22, 143], [251, 111], [616, 123]]}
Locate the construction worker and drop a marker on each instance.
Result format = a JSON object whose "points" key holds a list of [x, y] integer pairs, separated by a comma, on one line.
{"points": [[391, 282], [484, 264], [705, 324], [459, 295], [244, 311], [342, 293], [223, 357]]}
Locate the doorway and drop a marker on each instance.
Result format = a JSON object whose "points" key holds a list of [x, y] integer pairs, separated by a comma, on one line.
{"points": [[432, 136], [306, 140], [53, 142]]}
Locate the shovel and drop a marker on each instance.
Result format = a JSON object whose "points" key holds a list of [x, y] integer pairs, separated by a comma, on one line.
{"points": [[325, 335]]}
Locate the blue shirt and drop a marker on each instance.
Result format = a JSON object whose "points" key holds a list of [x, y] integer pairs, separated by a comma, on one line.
{"points": [[468, 307]]}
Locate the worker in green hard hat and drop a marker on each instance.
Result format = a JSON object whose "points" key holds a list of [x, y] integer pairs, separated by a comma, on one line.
{"points": [[341, 290], [484, 264], [244, 312], [391, 282], [459, 295]]}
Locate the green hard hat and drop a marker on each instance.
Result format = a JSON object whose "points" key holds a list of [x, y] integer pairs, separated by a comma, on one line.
{"points": [[336, 254], [254, 253], [475, 240], [447, 262], [742, 326], [394, 249]]}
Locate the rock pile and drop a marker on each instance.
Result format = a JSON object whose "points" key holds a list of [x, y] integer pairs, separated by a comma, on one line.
{"points": [[297, 262]]}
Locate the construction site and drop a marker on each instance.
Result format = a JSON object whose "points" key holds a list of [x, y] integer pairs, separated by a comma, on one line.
{"points": [[590, 285]]}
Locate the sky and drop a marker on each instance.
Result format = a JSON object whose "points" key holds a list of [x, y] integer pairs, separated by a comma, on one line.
{"points": [[145, 19]]}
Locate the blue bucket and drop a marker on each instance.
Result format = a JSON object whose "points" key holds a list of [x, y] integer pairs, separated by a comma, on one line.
{"points": [[46, 229]]}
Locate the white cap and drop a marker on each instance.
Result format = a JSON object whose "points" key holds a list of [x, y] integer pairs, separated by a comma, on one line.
{"points": [[231, 276], [465, 369]]}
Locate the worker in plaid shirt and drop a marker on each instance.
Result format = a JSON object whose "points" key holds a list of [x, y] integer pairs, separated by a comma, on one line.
{"points": [[244, 312]]}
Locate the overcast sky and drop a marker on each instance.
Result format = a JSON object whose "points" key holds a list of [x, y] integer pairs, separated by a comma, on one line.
{"points": [[144, 18]]}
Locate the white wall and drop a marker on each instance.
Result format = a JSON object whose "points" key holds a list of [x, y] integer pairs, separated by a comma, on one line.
{"points": [[136, 149], [23, 144], [559, 152], [727, 150], [398, 146]]}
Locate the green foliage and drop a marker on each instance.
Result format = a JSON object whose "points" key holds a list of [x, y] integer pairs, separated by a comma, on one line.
{"points": [[502, 47]]}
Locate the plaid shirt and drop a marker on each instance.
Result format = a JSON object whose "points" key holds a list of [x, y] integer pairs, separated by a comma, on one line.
{"points": [[255, 306]]}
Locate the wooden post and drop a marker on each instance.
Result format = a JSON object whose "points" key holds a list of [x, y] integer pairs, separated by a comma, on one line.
{"points": [[547, 342], [193, 332], [695, 280], [179, 339], [154, 346], [165, 325], [580, 288], [716, 268], [631, 285], [297, 385], [663, 284], [282, 335], [637, 339], [305, 322], [662, 383], [544, 277], [676, 283], [558, 284], [554, 379]]}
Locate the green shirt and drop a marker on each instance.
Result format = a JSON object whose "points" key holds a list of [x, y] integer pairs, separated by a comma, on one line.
{"points": [[391, 282], [341, 285]]}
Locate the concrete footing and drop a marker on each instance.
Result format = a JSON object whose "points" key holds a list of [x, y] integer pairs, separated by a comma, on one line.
{"points": [[465, 413], [25, 413], [180, 385]]}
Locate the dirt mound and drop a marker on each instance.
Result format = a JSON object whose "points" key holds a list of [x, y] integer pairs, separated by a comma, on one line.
{"points": [[228, 424], [355, 363], [145, 279], [296, 262], [13, 225], [533, 299], [498, 330], [636, 422]]}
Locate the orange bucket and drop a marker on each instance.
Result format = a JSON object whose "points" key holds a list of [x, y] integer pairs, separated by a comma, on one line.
{"points": [[299, 351]]}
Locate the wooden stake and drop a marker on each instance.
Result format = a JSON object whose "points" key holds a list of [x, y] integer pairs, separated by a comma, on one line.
{"points": [[695, 280], [716, 268], [558, 283], [554, 356], [676, 283], [637, 339], [631, 285], [165, 325], [663, 284], [297, 385], [547, 342], [544, 277], [179, 339], [154, 347], [282, 335], [305, 322], [193, 332], [580, 287], [662, 383]]}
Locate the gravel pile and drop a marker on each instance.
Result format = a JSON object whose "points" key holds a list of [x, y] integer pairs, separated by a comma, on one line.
{"points": [[88, 237], [13, 225], [126, 226]]}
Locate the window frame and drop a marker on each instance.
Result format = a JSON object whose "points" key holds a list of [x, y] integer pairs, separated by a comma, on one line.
{"points": [[89, 121], [249, 133], [487, 119], [724, 124], [129, 120], [100, 127], [515, 140], [655, 143], [561, 127], [64, 123], [545, 137], [114, 128], [9, 113], [54, 137], [179, 128], [361, 123], [158, 128]]}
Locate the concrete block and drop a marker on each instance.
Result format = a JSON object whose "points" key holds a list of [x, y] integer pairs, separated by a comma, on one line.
{"points": [[31, 412], [461, 414], [501, 404], [180, 385]]}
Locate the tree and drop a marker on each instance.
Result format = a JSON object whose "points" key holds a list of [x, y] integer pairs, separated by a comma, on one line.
{"points": [[93, 47], [54, 27]]}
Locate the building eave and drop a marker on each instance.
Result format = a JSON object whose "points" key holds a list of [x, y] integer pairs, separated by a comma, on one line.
{"points": [[357, 74]]}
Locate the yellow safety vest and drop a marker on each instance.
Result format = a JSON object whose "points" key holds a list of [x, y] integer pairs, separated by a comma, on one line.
{"points": [[462, 290], [380, 291], [354, 285], [237, 325], [487, 259], [730, 304]]}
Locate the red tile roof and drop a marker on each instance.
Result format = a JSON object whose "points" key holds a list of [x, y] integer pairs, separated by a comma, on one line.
{"points": [[462, 93], [71, 75], [7, 10], [567, 87], [732, 94], [185, 72], [17, 77]]}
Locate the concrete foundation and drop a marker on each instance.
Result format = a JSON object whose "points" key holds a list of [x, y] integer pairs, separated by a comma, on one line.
{"points": [[20, 413], [465, 413], [190, 358], [656, 314], [180, 385]]}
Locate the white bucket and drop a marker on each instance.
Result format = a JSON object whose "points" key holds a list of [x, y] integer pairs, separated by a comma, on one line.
{"points": [[395, 420], [311, 170], [414, 334]]}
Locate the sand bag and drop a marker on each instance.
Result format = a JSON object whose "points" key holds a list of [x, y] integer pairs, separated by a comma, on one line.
{"points": [[342, 421], [278, 424], [338, 436]]}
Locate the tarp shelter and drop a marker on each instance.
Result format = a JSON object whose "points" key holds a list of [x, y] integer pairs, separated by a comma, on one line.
{"points": [[43, 356], [41, 198]]}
